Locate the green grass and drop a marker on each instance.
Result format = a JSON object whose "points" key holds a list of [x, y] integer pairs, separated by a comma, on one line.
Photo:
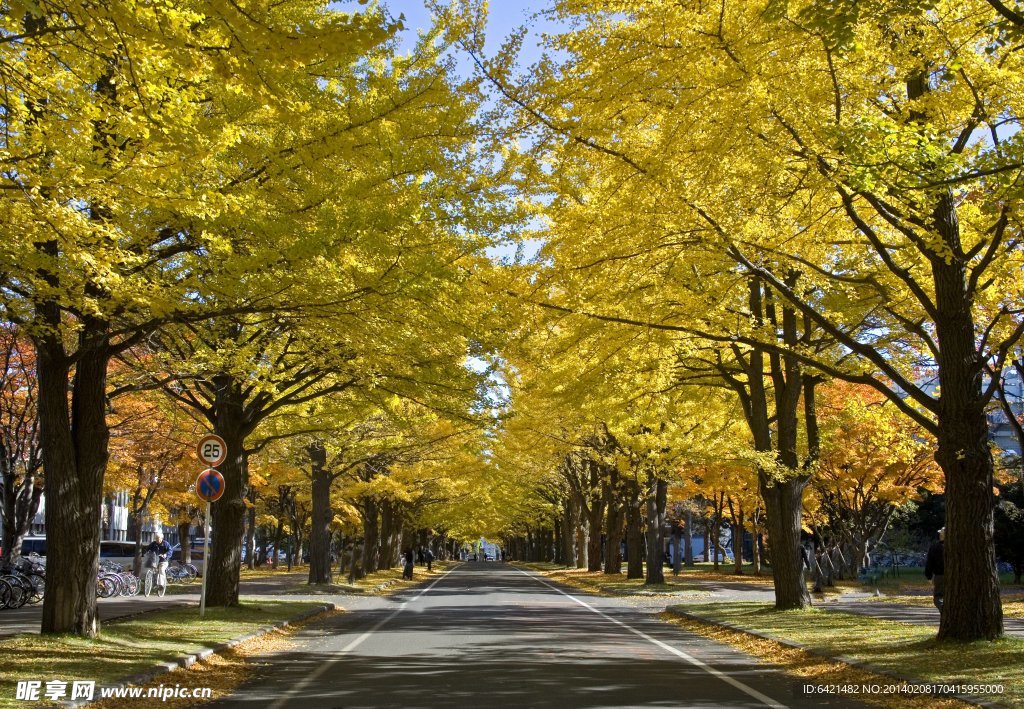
{"points": [[132, 645], [900, 648]]}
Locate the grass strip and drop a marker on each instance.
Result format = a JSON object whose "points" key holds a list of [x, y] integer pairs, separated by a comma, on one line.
{"points": [[382, 582], [803, 665], [895, 648], [227, 671], [616, 585], [133, 645]]}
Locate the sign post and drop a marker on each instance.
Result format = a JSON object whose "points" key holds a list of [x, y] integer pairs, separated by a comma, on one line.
{"points": [[209, 488], [206, 560]]}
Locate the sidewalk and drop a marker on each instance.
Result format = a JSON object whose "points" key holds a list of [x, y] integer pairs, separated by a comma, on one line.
{"points": [[282, 584], [918, 615], [860, 602], [28, 618]]}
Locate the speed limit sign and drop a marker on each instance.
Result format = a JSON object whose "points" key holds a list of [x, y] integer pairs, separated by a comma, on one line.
{"points": [[212, 449]]}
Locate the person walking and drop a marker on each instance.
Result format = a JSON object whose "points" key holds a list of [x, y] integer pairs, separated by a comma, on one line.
{"points": [[935, 568], [407, 571], [429, 556]]}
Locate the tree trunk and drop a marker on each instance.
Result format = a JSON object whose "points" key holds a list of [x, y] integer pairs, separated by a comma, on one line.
{"points": [[341, 554], [278, 536], [716, 530], [386, 542], [677, 551], [250, 531], [20, 505], [371, 535], [782, 502], [613, 523], [972, 609], [783, 499], [657, 500], [583, 544], [135, 526], [298, 541], [757, 553], [688, 538], [634, 533], [737, 537], [569, 532], [594, 556], [184, 528], [228, 513], [75, 460], [320, 532], [613, 526]]}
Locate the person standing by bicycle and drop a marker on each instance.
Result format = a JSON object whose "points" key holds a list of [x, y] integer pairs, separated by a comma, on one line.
{"points": [[162, 551]]}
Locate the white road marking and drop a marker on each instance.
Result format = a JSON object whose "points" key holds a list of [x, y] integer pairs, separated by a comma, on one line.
{"points": [[340, 655], [764, 699]]}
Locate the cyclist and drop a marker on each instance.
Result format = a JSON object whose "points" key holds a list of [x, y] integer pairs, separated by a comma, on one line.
{"points": [[162, 551]]}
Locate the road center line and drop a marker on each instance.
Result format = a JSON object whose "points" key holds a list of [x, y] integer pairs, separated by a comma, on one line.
{"points": [[340, 655], [764, 699]]}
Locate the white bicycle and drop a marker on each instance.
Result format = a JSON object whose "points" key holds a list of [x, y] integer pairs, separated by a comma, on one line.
{"points": [[153, 571]]}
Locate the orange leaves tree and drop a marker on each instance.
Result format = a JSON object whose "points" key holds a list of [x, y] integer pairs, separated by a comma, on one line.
{"points": [[151, 458], [20, 453], [873, 462]]}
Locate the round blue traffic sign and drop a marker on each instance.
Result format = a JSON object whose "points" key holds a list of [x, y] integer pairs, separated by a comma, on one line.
{"points": [[210, 485]]}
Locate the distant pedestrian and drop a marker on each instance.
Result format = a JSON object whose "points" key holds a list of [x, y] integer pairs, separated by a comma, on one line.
{"points": [[429, 556], [935, 568], [805, 558], [408, 558]]}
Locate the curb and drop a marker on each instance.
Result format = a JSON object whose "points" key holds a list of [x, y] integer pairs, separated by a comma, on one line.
{"points": [[189, 659], [845, 659]]}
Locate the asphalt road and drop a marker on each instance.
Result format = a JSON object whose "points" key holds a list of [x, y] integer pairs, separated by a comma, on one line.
{"points": [[491, 635]]}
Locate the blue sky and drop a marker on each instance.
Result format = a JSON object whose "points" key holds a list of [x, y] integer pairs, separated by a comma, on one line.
{"points": [[503, 16]]}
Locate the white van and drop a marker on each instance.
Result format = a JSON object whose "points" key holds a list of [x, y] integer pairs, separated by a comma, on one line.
{"points": [[33, 545]]}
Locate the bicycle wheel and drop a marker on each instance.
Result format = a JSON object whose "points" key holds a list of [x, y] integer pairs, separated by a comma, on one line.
{"points": [[5, 594], [193, 572], [104, 586], [15, 577], [148, 585], [18, 594], [117, 585], [38, 584], [132, 585]]}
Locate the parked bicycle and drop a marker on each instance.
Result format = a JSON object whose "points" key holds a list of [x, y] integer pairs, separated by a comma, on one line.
{"points": [[181, 573], [113, 580], [25, 584]]}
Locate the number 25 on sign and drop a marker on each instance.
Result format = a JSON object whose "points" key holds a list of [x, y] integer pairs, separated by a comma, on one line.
{"points": [[212, 449]]}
